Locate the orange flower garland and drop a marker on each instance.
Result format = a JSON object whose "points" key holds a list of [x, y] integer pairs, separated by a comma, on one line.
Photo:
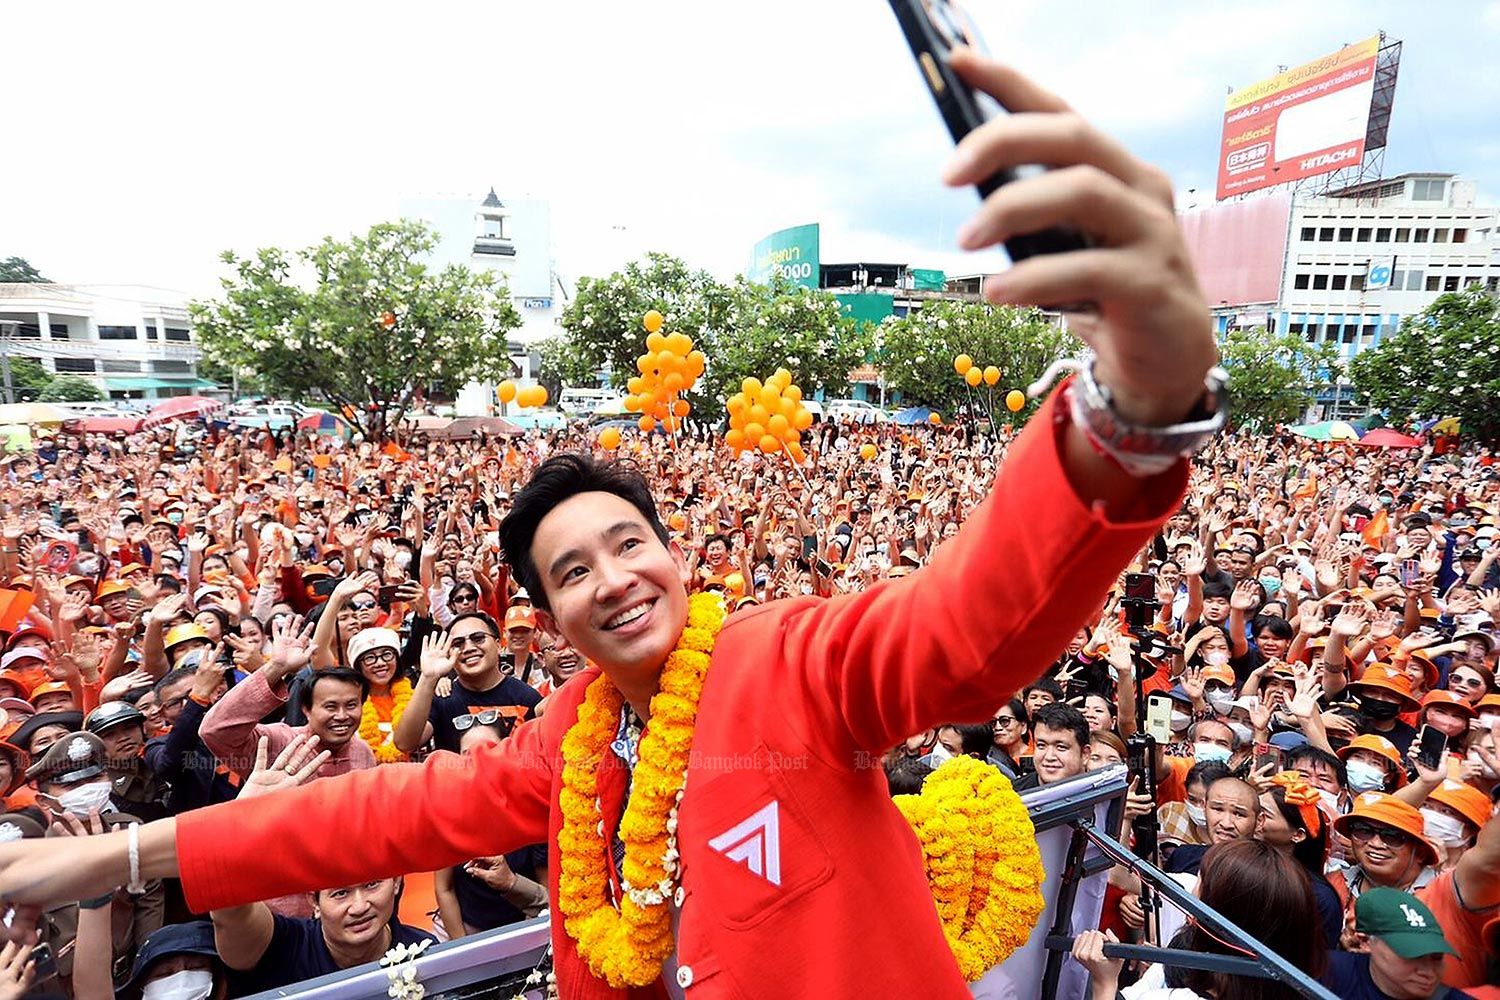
{"points": [[982, 861], [370, 720], [626, 946]]}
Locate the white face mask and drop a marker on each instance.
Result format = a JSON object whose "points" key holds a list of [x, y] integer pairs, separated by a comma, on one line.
{"points": [[1329, 801], [1180, 721], [939, 754], [1365, 777], [189, 984], [1219, 701], [1442, 829], [304, 538], [1484, 769], [80, 800], [1242, 732], [1197, 814]]}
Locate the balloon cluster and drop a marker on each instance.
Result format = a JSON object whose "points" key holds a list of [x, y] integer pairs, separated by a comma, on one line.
{"points": [[668, 369], [522, 395], [768, 416], [989, 375]]}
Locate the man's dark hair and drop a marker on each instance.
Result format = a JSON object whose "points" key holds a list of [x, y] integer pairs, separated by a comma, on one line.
{"points": [[168, 582], [975, 738], [1302, 755], [489, 623], [1046, 685], [1206, 772], [1217, 588], [1059, 716], [174, 677], [904, 775], [560, 478], [1274, 624], [719, 537], [342, 674], [463, 588]]}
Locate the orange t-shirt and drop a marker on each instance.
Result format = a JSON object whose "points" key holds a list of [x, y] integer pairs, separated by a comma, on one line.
{"points": [[1173, 787], [1463, 929]]}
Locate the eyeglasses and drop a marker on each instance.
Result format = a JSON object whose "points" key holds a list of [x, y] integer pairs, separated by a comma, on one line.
{"points": [[1362, 833], [1468, 682], [383, 655], [488, 717], [475, 639], [360, 605], [1006, 720]]}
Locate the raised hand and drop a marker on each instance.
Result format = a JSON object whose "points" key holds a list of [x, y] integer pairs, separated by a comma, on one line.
{"points": [[296, 764], [1352, 620], [1192, 683], [439, 658], [291, 645], [1308, 692], [1246, 596]]}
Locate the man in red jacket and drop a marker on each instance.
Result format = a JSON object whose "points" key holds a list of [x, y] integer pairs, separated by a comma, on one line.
{"points": [[786, 863]]}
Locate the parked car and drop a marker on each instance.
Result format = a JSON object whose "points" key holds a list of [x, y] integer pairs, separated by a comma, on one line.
{"points": [[855, 410]]}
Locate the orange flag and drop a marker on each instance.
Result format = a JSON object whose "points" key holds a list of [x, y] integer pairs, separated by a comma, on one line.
{"points": [[1377, 528], [1307, 490]]}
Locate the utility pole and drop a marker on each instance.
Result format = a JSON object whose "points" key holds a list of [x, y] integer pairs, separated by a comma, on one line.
{"points": [[5, 332]]}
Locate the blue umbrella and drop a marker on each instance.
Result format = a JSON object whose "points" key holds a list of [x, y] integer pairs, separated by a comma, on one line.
{"points": [[913, 415]]}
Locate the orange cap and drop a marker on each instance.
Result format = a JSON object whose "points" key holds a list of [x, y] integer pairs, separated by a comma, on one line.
{"points": [[1220, 672], [1448, 700], [519, 616], [1386, 679], [110, 588], [1465, 799], [1378, 807], [1378, 745]]}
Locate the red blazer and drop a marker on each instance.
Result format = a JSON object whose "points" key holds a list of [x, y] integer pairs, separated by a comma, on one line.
{"points": [[798, 873]]}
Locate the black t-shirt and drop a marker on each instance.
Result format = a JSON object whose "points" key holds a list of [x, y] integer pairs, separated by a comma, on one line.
{"points": [[508, 693], [298, 953], [1348, 976], [485, 908], [1402, 735]]}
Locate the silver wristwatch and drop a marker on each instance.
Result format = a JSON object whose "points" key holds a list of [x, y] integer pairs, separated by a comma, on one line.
{"points": [[1146, 451]]}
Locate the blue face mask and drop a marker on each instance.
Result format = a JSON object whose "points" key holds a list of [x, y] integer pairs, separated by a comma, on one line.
{"points": [[1204, 752], [1364, 777], [1272, 585]]}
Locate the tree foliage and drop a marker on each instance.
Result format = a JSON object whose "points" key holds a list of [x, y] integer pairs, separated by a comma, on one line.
{"points": [[1271, 377], [563, 364], [70, 390], [363, 323], [1444, 362], [19, 269], [917, 351], [28, 378]]}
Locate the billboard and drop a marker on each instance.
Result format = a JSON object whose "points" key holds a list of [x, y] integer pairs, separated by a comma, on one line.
{"points": [[1309, 120], [1238, 248], [791, 252]]}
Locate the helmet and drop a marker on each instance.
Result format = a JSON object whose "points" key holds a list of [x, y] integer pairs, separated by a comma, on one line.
{"points": [[112, 714], [184, 633]]}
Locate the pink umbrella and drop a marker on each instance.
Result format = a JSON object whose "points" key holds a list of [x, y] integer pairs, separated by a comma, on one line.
{"points": [[1384, 437], [111, 425], [180, 408]]}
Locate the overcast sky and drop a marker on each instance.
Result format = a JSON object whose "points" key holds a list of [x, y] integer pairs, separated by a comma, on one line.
{"points": [[143, 139]]}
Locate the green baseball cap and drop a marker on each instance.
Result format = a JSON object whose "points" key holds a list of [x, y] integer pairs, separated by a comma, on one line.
{"points": [[1402, 921]]}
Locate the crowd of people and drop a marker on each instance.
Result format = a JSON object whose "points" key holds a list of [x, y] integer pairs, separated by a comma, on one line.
{"points": [[198, 613]]}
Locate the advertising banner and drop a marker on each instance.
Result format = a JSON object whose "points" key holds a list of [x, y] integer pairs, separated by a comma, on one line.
{"points": [[1309, 120], [791, 252]]}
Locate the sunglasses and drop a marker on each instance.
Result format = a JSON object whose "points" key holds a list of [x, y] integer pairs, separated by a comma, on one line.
{"points": [[488, 717], [360, 605], [1006, 720], [463, 599], [1468, 682], [475, 639], [1363, 833]]}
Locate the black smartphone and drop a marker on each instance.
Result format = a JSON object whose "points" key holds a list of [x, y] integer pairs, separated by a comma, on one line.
{"points": [[388, 593], [44, 963], [1140, 586], [1432, 747], [933, 28]]}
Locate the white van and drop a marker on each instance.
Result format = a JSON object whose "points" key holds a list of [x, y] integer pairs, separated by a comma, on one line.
{"points": [[581, 402]]}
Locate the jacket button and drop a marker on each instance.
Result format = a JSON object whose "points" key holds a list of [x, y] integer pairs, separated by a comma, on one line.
{"points": [[684, 976]]}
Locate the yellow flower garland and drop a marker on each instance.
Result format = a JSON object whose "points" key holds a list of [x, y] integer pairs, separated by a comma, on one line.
{"points": [[982, 861], [626, 946], [369, 723]]}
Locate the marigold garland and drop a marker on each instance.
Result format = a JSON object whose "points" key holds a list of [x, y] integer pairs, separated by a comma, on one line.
{"points": [[626, 946], [982, 861], [370, 720]]}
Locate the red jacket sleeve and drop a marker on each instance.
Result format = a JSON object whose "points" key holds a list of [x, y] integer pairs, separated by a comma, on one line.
{"points": [[952, 641], [372, 823]]}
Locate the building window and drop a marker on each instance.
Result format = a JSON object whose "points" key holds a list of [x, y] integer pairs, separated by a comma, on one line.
{"points": [[1346, 234], [181, 367], [1320, 281], [1428, 190], [1390, 190], [1383, 234], [1357, 282], [1300, 281], [117, 333], [1398, 280], [120, 367], [175, 334], [1493, 285], [1440, 236], [1364, 234], [73, 365], [1433, 283], [1460, 236], [1403, 235], [28, 331], [1367, 334], [1340, 282], [1450, 283], [1309, 234], [1413, 281], [1351, 333], [1420, 235], [1325, 235], [1471, 283]]}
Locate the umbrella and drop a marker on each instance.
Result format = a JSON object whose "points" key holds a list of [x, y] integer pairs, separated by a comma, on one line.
{"points": [[180, 408], [32, 413], [1328, 430], [427, 422], [111, 425], [323, 422], [1448, 425], [913, 415], [1385, 437], [466, 426]]}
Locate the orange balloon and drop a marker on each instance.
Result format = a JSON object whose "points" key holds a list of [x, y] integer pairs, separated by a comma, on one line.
{"points": [[962, 364], [751, 388], [609, 438], [803, 420], [778, 425], [636, 384], [794, 449], [1014, 400], [770, 444], [645, 363], [680, 344], [655, 342], [736, 404], [735, 439], [759, 414], [696, 363], [539, 394], [682, 408], [933, 418], [754, 431], [387, 319], [660, 410], [788, 407], [867, 451], [632, 404], [973, 376], [783, 377], [673, 383], [506, 391], [991, 375], [652, 321], [647, 423], [792, 392]]}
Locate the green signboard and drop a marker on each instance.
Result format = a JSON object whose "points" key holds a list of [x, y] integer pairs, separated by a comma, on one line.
{"points": [[868, 307], [793, 253], [923, 280]]}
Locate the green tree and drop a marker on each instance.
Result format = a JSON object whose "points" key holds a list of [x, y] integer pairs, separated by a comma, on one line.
{"points": [[363, 323], [70, 390], [782, 325], [19, 269], [28, 378], [917, 352], [1271, 377], [563, 364], [603, 322], [1444, 362]]}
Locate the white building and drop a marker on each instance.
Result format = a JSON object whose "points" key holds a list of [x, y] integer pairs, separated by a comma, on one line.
{"points": [[132, 341], [513, 237], [1345, 268]]}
